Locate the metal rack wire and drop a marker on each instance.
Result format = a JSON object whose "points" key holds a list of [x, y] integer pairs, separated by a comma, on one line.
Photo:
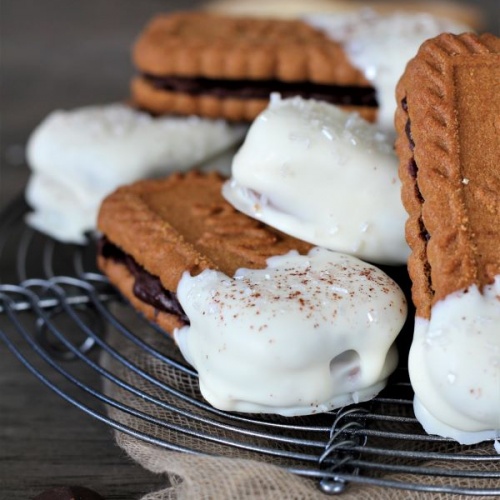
{"points": [[71, 330]]}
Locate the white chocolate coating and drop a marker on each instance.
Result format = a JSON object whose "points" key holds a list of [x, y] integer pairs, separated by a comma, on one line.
{"points": [[80, 156], [322, 175], [454, 366], [307, 334], [62, 209], [381, 45]]}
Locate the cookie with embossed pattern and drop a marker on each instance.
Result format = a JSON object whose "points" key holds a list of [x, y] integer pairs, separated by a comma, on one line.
{"points": [[448, 123], [155, 230], [219, 66]]}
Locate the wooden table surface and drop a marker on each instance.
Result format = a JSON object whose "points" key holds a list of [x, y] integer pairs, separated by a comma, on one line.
{"points": [[61, 54]]}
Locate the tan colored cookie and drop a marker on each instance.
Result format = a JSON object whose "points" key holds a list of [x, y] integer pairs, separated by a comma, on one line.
{"points": [[199, 44], [222, 66], [179, 224], [448, 124]]}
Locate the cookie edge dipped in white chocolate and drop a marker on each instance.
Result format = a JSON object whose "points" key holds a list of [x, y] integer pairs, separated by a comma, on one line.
{"points": [[79, 156], [316, 334], [322, 175]]}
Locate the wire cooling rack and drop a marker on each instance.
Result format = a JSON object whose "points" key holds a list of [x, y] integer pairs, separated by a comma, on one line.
{"points": [[61, 319]]}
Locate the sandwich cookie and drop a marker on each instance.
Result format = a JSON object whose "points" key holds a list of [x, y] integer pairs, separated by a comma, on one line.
{"points": [[448, 144], [226, 67], [270, 323], [156, 230]]}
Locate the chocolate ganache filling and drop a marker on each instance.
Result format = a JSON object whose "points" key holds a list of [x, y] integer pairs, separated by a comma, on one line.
{"points": [[348, 95], [413, 171], [147, 287]]}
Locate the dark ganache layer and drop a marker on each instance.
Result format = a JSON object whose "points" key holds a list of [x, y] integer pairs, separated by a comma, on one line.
{"points": [[147, 287], [348, 95], [413, 171]]}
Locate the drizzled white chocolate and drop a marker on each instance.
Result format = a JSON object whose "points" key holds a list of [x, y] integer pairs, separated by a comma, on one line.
{"points": [[324, 176], [79, 156], [381, 45], [454, 366], [307, 334]]}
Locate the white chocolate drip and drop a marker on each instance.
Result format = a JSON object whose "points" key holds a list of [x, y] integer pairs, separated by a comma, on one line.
{"points": [[455, 366], [307, 334]]}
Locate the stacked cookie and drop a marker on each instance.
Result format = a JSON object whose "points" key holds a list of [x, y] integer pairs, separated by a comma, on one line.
{"points": [[217, 66]]}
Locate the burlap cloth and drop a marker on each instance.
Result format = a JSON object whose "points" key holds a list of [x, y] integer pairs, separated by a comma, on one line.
{"points": [[225, 472]]}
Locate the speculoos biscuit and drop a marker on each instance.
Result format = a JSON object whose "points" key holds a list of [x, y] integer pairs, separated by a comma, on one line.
{"points": [[220, 66], [448, 123], [154, 230]]}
